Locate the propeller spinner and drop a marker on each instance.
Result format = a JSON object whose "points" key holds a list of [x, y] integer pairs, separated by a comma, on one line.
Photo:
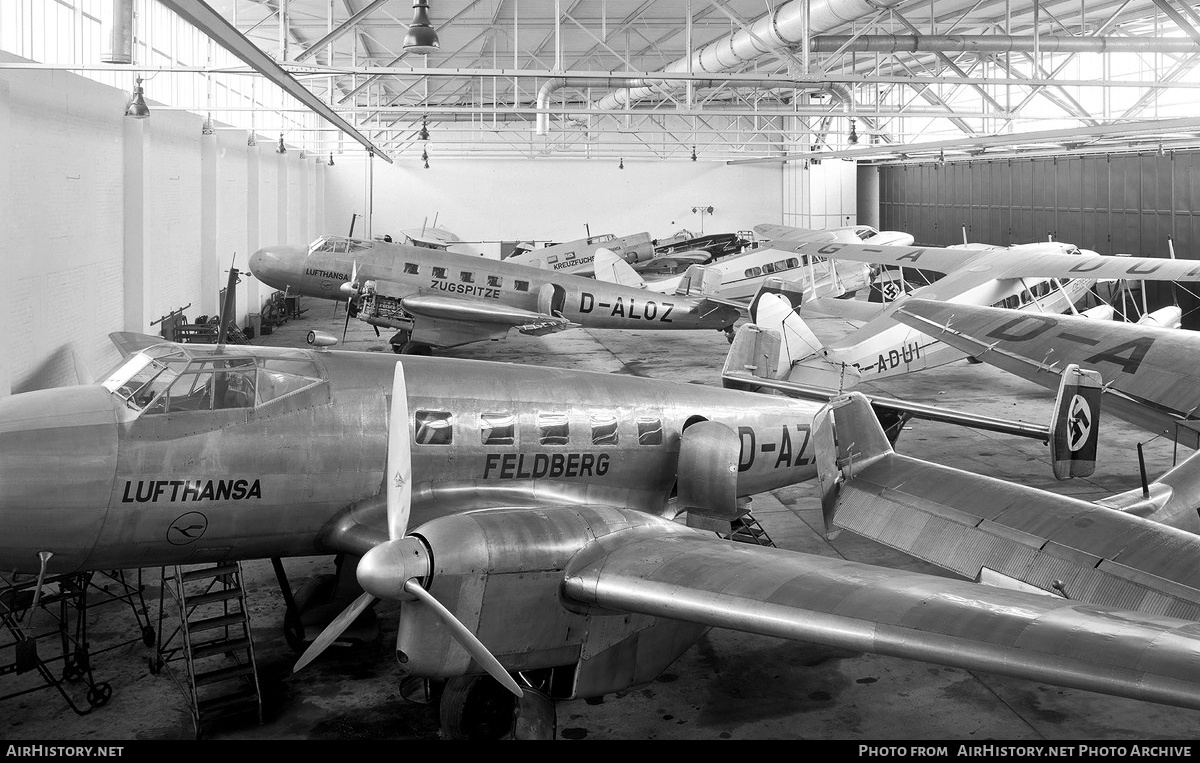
{"points": [[394, 570]]}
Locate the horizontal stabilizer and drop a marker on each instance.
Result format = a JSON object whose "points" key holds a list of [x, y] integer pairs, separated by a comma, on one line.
{"points": [[848, 309]]}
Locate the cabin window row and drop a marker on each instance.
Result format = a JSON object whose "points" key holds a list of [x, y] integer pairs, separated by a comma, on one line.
{"points": [[550, 428], [465, 276], [1027, 296], [775, 267]]}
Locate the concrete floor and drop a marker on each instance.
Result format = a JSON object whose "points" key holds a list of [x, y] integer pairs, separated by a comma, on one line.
{"points": [[729, 685]]}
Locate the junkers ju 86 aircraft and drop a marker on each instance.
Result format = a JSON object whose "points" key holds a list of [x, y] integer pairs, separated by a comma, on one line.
{"points": [[440, 299], [535, 543]]}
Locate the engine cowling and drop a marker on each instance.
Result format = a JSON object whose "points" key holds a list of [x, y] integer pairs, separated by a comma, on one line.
{"points": [[499, 571]]}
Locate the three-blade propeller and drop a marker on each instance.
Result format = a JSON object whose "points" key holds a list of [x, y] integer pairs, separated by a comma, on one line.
{"points": [[394, 569]]}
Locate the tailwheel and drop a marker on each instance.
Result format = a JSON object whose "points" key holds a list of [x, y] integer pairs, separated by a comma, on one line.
{"points": [[476, 707]]}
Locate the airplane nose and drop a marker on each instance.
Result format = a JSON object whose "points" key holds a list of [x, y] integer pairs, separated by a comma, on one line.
{"points": [[58, 462], [276, 266]]}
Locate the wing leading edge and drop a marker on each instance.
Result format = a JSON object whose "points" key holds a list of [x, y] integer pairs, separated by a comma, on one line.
{"points": [[1149, 373], [804, 597]]}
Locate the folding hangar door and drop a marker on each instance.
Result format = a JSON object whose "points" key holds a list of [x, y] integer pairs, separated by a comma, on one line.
{"points": [[1113, 204]]}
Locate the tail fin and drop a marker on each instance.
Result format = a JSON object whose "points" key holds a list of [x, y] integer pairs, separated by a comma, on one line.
{"points": [[888, 286], [612, 269], [1075, 427], [699, 281], [775, 285], [780, 345], [846, 436]]}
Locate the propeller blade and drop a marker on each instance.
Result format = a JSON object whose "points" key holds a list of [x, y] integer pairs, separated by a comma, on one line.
{"points": [[399, 459], [334, 629], [466, 638], [347, 326]]}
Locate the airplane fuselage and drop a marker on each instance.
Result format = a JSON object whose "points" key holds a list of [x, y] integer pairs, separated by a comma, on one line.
{"points": [[164, 478], [400, 271], [743, 274], [577, 256], [898, 349]]}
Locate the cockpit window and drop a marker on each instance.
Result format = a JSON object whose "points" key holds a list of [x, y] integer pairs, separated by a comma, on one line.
{"points": [[279, 377], [336, 245], [141, 378], [210, 385], [158, 382]]}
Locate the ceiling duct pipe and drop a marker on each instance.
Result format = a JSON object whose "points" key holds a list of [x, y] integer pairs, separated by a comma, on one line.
{"points": [[968, 43], [836, 89], [782, 29], [118, 34]]}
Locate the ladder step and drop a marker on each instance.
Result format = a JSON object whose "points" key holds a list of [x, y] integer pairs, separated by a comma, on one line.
{"points": [[223, 674], [220, 647], [210, 572], [230, 703], [195, 626], [208, 598]]}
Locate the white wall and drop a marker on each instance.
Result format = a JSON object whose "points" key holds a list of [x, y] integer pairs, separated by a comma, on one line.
{"points": [[551, 200], [820, 195], [110, 223]]}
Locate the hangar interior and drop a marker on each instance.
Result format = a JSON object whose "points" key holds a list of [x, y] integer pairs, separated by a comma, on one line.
{"points": [[149, 146]]}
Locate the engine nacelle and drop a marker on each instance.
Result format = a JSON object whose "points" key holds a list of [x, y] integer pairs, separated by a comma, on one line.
{"points": [[499, 571]]}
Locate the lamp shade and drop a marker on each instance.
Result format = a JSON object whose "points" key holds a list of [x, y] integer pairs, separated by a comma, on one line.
{"points": [[137, 107], [421, 36]]}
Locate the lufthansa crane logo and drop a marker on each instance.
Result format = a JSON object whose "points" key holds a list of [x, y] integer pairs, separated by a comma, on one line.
{"points": [[1079, 424], [187, 528]]}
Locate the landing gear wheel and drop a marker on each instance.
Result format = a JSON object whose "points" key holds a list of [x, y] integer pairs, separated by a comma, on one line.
{"points": [[476, 707], [99, 695], [414, 348], [148, 635], [293, 632]]}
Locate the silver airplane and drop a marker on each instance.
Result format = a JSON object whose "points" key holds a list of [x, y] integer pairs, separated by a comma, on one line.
{"points": [[440, 299], [541, 547], [1038, 277], [576, 256]]}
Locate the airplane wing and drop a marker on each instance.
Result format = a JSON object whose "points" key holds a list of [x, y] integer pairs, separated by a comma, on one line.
{"points": [[828, 600], [1027, 260], [475, 317], [1149, 372], [786, 235]]}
